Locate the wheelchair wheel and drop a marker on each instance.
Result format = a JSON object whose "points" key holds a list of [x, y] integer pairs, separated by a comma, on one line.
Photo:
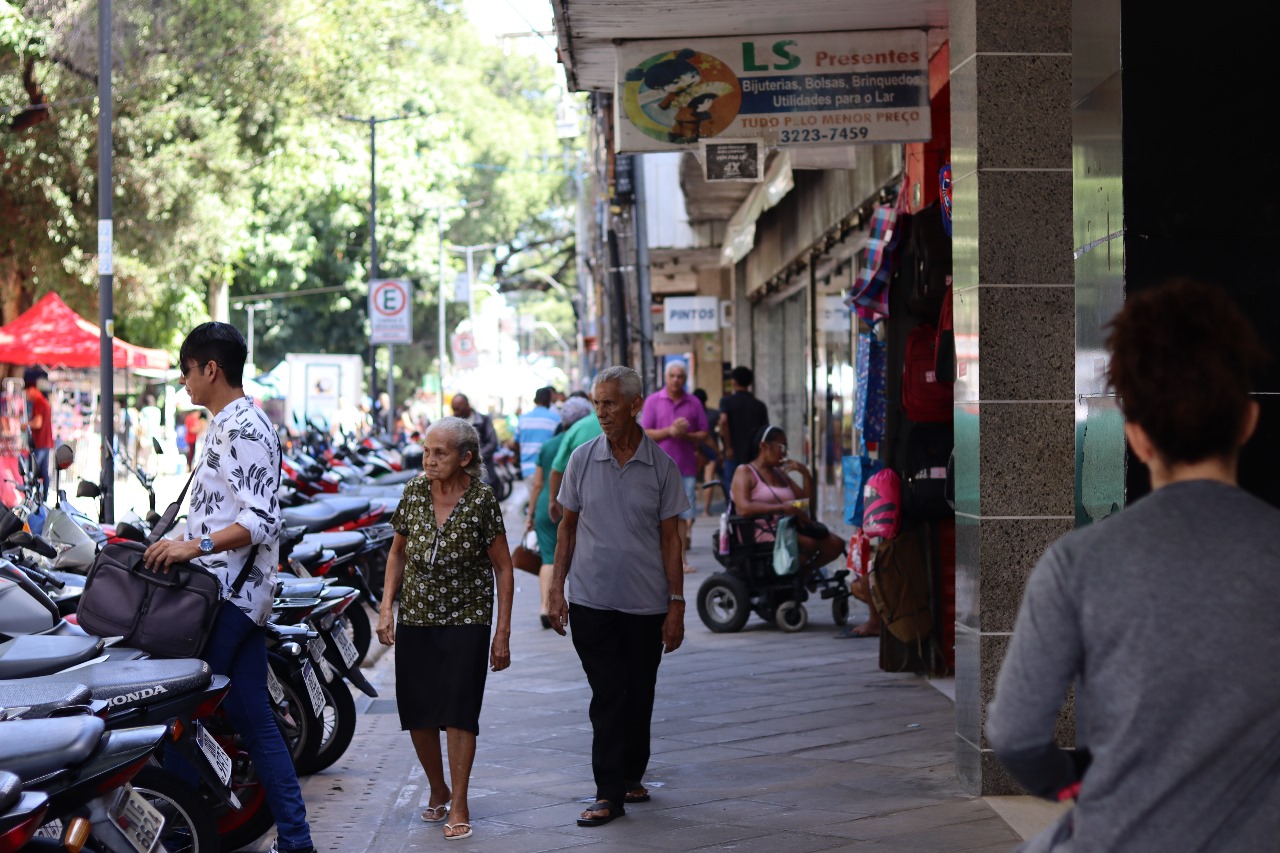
{"points": [[791, 616], [723, 603], [840, 610]]}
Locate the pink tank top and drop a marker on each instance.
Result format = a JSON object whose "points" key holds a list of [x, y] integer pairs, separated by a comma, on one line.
{"points": [[762, 492]]}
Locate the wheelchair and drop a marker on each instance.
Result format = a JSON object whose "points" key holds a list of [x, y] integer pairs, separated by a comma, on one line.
{"points": [[749, 584]]}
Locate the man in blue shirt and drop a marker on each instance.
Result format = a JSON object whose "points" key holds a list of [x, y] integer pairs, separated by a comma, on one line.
{"points": [[535, 427]]}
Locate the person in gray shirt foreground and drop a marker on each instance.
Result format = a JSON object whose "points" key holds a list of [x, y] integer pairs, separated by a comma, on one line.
{"points": [[1164, 614], [620, 548]]}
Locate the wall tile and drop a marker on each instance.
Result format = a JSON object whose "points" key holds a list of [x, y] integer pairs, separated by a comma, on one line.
{"points": [[968, 572], [1027, 342], [1025, 221], [968, 684], [964, 120], [1027, 459], [965, 310], [994, 647], [1002, 27], [1024, 112]]}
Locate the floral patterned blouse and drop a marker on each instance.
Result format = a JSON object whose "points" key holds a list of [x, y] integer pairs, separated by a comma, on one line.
{"points": [[448, 577]]}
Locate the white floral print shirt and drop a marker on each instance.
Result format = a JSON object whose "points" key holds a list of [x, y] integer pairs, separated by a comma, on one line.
{"points": [[236, 482]]}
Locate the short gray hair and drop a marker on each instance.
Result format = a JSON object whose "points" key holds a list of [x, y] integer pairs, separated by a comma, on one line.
{"points": [[465, 440], [628, 381]]}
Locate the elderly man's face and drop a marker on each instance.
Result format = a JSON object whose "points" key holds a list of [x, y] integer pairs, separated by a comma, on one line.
{"points": [[461, 406], [614, 411], [676, 377]]}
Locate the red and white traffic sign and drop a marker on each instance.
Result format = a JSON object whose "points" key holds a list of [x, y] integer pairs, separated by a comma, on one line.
{"points": [[464, 351], [391, 311]]}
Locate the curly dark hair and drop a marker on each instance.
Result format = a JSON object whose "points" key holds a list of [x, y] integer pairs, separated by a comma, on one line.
{"points": [[1184, 360]]}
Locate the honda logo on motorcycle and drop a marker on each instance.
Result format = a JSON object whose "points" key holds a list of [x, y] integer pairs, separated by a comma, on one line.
{"points": [[136, 695]]}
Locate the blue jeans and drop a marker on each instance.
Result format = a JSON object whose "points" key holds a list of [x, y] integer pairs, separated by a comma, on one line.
{"points": [[730, 465], [237, 649]]}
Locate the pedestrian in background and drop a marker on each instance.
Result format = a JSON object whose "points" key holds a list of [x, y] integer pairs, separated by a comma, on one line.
{"points": [[234, 519], [619, 552], [483, 424], [535, 427], [1161, 615], [449, 549], [40, 423], [538, 516], [577, 435], [741, 418], [709, 452], [677, 421]]}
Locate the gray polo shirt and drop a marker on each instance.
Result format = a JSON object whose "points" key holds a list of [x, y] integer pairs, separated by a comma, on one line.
{"points": [[617, 557]]}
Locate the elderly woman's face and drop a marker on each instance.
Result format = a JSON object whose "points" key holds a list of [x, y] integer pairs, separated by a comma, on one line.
{"points": [[440, 458]]}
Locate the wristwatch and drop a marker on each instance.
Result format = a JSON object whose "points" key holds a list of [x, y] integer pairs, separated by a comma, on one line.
{"points": [[679, 598], [206, 545]]}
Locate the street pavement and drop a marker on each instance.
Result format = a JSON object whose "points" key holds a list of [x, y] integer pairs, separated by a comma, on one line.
{"points": [[761, 741]]}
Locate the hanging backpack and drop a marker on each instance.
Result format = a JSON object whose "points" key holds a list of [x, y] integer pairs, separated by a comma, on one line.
{"points": [[924, 472], [924, 398], [882, 499], [900, 587], [929, 251]]}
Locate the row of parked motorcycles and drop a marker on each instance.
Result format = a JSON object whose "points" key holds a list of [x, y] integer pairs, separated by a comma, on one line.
{"points": [[105, 748]]}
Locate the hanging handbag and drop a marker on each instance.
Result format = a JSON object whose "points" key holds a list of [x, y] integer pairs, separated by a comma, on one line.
{"points": [[526, 555], [166, 614]]}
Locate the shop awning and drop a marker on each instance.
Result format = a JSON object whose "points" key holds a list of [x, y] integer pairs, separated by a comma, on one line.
{"points": [[51, 334]]}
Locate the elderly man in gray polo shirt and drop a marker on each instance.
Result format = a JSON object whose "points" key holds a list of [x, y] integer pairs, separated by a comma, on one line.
{"points": [[620, 549]]}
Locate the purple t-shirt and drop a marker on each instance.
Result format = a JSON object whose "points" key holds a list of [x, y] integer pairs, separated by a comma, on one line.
{"points": [[660, 412]]}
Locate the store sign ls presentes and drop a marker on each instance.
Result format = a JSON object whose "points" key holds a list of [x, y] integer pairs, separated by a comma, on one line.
{"points": [[788, 90]]}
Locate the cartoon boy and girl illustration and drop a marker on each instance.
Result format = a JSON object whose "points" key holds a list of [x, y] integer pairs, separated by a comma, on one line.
{"points": [[685, 90]]}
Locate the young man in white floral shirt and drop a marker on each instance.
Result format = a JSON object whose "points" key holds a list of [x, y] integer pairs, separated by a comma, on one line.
{"points": [[234, 516]]}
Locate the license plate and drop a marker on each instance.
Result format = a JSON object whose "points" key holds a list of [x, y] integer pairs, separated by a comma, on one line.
{"points": [[313, 687], [137, 819], [346, 648], [274, 688], [327, 671], [216, 755], [316, 648]]}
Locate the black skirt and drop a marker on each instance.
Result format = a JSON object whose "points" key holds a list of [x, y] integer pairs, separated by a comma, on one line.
{"points": [[440, 674]]}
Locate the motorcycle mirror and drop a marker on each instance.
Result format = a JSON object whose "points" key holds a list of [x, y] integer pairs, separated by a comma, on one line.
{"points": [[24, 539], [64, 456], [87, 489], [155, 442]]}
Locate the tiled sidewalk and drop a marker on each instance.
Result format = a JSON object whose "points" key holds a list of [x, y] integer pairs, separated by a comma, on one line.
{"points": [[762, 741]]}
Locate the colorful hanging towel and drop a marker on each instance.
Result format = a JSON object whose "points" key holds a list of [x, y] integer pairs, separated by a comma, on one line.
{"points": [[869, 296]]}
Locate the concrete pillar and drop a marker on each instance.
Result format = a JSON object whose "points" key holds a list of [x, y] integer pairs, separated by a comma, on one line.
{"points": [[1015, 332]]}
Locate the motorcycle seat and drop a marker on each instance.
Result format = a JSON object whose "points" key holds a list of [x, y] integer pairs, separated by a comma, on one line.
{"points": [[126, 683], [34, 698], [394, 478], [300, 588], [341, 543], [10, 790], [39, 654], [32, 748], [321, 515], [292, 535], [306, 553]]}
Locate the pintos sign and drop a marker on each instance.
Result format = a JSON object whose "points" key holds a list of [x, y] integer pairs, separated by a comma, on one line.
{"points": [[789, 90], [686, 314]]}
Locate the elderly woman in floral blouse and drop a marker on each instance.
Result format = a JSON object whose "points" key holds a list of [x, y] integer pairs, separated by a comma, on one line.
{"points": [[450, 544]]}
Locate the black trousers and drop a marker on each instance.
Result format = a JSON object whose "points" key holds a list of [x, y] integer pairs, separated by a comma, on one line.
{"points": [[620, 653]]}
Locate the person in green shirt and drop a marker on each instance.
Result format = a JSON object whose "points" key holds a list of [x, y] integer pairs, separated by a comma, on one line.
{"points": [[579, 434]]}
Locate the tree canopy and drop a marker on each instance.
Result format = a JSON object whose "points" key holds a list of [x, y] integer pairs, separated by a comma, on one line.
{"points": [[241, 148]]}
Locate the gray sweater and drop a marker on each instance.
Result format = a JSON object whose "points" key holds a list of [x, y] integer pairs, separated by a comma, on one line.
{"points": [[1167, 618]]}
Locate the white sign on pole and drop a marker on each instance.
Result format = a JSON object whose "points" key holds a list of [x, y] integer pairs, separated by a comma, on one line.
{"points": [[834, 314], [464, 351], [462, 288], [685, 314], [390, 311], [798, 90]]}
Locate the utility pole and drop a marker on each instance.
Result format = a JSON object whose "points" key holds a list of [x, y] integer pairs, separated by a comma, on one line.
{"points": [[440, 343], [106, 269], [373, 122], [471, 278]]}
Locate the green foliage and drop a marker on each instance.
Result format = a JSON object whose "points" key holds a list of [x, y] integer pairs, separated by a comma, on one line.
{"points": [[236, 176]]}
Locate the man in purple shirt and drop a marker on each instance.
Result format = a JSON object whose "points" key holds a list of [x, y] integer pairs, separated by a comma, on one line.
{"points": [[677, 421]]}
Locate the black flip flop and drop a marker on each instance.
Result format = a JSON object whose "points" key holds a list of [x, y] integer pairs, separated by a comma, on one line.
{"points": [[614, 810], [637, 795]]}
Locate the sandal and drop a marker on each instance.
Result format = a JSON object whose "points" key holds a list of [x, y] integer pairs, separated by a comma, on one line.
{"points": [[449, 826], [435, 814], [608, 811], [638, 794]]}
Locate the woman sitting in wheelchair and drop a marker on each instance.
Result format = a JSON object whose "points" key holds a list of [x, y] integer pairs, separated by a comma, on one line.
{"points": [[765, 488]]}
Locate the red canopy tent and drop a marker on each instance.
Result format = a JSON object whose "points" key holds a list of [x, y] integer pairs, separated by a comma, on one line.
{"points": [[51, 334]]}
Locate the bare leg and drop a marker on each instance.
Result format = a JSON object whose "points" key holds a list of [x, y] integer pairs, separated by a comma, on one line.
{"points": [[462, 754], [686, 533], [426, 742]]}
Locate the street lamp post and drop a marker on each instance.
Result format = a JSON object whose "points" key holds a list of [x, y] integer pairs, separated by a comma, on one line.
{"points": [[106, 305], [573, 301], [373, 122], [440, 209]]}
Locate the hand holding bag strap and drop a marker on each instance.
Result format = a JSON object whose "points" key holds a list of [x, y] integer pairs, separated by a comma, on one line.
{"points": [[171, 514]]}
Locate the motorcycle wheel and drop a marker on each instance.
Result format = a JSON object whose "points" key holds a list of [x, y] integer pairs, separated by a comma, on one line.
{"points": [[237, 829], [297, 722], [189, 825], [360, 629], [338, 721], [502, 488]]}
